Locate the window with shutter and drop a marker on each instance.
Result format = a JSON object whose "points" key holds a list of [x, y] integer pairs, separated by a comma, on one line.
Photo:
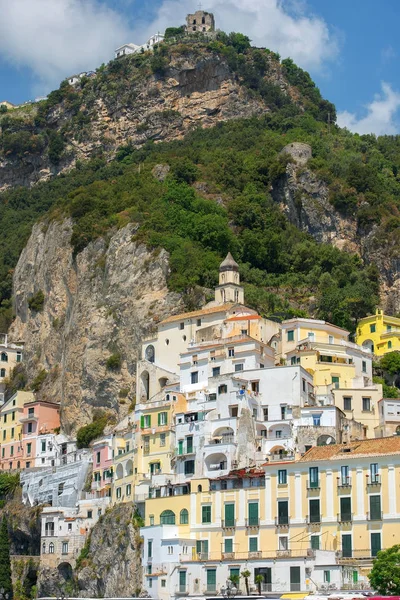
{"points": [[253, 513], [206, 514], [375, 510], [345, 509], [253, 544], [229, 515], [314, 542], [180, 447], [211, 580], [315, 516], [375, 543], [283, 512], [347, 549], [142, 422], [228, 546]]}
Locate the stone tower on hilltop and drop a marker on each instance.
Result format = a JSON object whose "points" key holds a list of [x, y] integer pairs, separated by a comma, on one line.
{"points": [[229, 288], [200, 21]]}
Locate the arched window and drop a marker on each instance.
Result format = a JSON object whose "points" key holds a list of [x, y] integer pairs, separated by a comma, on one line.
{"points": [[150, 353], [51, 548], [184, 517], [4, 357], [398, 430], [2, 372], [44, 548], [199, 488], [389, 344], [167, 517]]}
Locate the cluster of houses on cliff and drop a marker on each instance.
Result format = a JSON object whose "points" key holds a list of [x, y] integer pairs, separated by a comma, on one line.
{"points": [[253, 445]]}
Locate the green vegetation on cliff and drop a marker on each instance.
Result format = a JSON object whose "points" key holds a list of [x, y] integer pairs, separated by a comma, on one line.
{"points": [[217, 194]]}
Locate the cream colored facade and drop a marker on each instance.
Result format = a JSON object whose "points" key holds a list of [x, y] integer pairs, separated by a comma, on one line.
{"points": [[307, 525], [11, 451], [10, 357]]}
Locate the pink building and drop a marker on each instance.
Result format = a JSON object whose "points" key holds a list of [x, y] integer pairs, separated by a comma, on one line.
{"points": [[39, 419], [102, 465]]}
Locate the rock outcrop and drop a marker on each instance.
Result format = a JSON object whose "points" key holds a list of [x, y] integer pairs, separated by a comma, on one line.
{"points": [[97, 305], [304, 199], [197, 89]]}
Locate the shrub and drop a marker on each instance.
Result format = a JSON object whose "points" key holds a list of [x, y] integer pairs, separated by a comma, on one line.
{"points": [[39, 380], [90, 432], [36, 302], [158, 64], [114, 362]]}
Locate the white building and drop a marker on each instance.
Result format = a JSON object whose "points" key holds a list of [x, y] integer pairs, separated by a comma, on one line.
{"points": [[10, 356], [131, 48]]}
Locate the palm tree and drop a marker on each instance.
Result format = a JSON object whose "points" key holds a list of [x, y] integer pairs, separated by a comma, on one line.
{"points": [[235, 580], [259, 579], [246, 574]]}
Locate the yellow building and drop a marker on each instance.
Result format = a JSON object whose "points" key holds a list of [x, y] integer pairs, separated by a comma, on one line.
{"points": [[306, 525], [379, 333], [11, 451]]}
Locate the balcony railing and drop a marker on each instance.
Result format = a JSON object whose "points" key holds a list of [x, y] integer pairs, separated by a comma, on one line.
{"points": [[344, 482], [313, 485], [375, 516], [228, 556], [255, 554], [228, 524], [260, 554], [252, 523], [374, 480], [282, 521], [345, 517], [313, 519], [280, 457]]}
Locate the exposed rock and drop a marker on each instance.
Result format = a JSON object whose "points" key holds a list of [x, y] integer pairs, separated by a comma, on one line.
{"points": [[113, 567], [100, 303], [161, 171], [304, 199], [196, 90], [300, 152]]}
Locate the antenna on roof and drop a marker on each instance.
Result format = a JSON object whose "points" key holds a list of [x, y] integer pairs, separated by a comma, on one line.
{"points": [[200, 6]]}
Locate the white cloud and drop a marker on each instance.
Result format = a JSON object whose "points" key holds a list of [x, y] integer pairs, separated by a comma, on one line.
{"points": [[381, 114], [284, 26], [55, 38]]}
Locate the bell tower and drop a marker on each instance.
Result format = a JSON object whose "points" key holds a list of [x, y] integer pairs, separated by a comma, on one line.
{"points": [[229, 288]]}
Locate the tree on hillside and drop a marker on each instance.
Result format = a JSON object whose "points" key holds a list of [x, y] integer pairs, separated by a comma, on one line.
{"points": [[390, 363], [385, 573], [5, 563]]}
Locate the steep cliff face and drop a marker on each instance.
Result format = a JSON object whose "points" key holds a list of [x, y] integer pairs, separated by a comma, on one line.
{"points": [[97, 305], [113, 565], [136, 106], [304, 199]]}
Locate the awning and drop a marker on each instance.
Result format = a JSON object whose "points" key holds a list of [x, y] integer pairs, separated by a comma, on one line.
{"points": [[338, 353]]}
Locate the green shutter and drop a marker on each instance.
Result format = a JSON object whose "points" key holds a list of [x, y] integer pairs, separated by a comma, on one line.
{"points": [[315, 542], [182, 579], [315, 516], [228, 545], [159, 423], [211, 579], [253, 544], [235, 572], [375, 543], [375, 507], [253, 513], [345, 509], [229, 515], [142, 422], [180, 447], [346, 546], [198, 546]]}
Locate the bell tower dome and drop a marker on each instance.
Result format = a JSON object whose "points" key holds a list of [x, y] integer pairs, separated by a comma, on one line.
{"points": [[229, 288]]}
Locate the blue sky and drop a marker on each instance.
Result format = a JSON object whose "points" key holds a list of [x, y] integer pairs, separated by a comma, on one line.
{"points": [[350, 47]]}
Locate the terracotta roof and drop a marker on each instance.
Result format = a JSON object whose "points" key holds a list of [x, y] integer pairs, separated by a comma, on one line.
{"points": [[244, 318], [199, 313], [372, 447]]}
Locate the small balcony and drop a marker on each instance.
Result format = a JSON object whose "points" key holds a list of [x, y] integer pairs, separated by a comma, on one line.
{"points": [[345, 517], [344, 482], [375, 516], [31, 417], [313, 519], [228, 556], [228, 524], [313, 485], [283, 553], [256, 554], [373, 481], [252, 523], [282, 522]]}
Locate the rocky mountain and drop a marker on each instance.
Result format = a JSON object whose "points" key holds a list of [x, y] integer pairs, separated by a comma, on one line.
{"points": [[97, 305], [121, 195]]}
